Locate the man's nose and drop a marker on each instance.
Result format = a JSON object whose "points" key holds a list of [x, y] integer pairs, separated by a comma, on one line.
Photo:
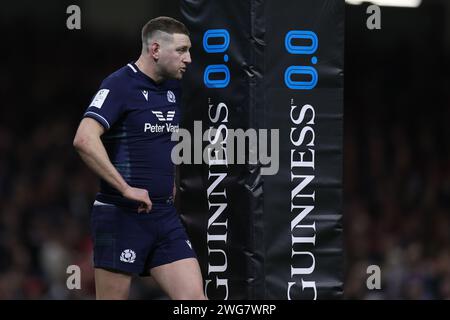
{"points": [[187, 58]]}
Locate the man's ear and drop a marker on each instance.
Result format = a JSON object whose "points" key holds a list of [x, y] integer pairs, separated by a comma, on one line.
{"points": [[154, 50]]}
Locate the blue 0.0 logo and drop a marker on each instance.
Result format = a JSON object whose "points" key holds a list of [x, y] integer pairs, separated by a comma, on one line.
{"points": [[301, 70], [210, 76]]}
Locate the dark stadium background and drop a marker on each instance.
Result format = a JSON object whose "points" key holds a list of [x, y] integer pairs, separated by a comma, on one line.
{"points": [[397, 143]]}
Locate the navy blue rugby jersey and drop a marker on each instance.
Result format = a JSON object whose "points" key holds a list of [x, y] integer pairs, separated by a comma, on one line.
{"points": [[139, 116]]}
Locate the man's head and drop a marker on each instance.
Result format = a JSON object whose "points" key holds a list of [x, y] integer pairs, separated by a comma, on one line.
{"points": [[166, 43]]}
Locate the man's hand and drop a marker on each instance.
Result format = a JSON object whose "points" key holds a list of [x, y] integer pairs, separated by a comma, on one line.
{"points": [[140, 195]]}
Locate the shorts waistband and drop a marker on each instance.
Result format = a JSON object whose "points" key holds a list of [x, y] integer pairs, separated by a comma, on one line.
{"points": [[163, 200], [105, 200]]}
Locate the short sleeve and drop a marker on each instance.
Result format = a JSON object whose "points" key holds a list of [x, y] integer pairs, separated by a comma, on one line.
{"points": [[108, 104]]}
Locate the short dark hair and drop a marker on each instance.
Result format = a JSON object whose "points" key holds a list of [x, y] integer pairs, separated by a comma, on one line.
{"points": [[165, 24]]}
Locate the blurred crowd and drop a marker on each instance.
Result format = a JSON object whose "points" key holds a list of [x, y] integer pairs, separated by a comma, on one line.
{"points": [[45, 198], [397, 166], [397, 212]]}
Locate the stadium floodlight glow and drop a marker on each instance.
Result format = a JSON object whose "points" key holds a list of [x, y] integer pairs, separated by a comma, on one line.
{"points": [[389, 3]]}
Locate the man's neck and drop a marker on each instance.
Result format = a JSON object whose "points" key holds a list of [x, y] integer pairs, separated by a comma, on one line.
{"points": [[148, 69]]}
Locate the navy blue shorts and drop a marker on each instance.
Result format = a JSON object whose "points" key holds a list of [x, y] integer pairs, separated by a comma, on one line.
{"points": [[132, 242]]}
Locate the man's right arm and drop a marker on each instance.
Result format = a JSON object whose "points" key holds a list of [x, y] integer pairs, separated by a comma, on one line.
{"points": [[91, 149]]}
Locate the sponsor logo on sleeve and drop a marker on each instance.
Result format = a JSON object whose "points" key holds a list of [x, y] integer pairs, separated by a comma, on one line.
{"points": [[99, 98]]}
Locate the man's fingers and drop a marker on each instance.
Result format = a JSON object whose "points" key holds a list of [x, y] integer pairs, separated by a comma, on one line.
{"points": [[141, 196], [145, 206], [148, 203]]}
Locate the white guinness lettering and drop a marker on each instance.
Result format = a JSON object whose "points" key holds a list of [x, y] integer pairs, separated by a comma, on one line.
{"points": [[303, 226], [216, 236]]}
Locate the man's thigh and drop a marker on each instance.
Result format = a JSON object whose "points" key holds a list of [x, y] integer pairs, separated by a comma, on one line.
{"points": [[181, 279], [111, 285]]}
